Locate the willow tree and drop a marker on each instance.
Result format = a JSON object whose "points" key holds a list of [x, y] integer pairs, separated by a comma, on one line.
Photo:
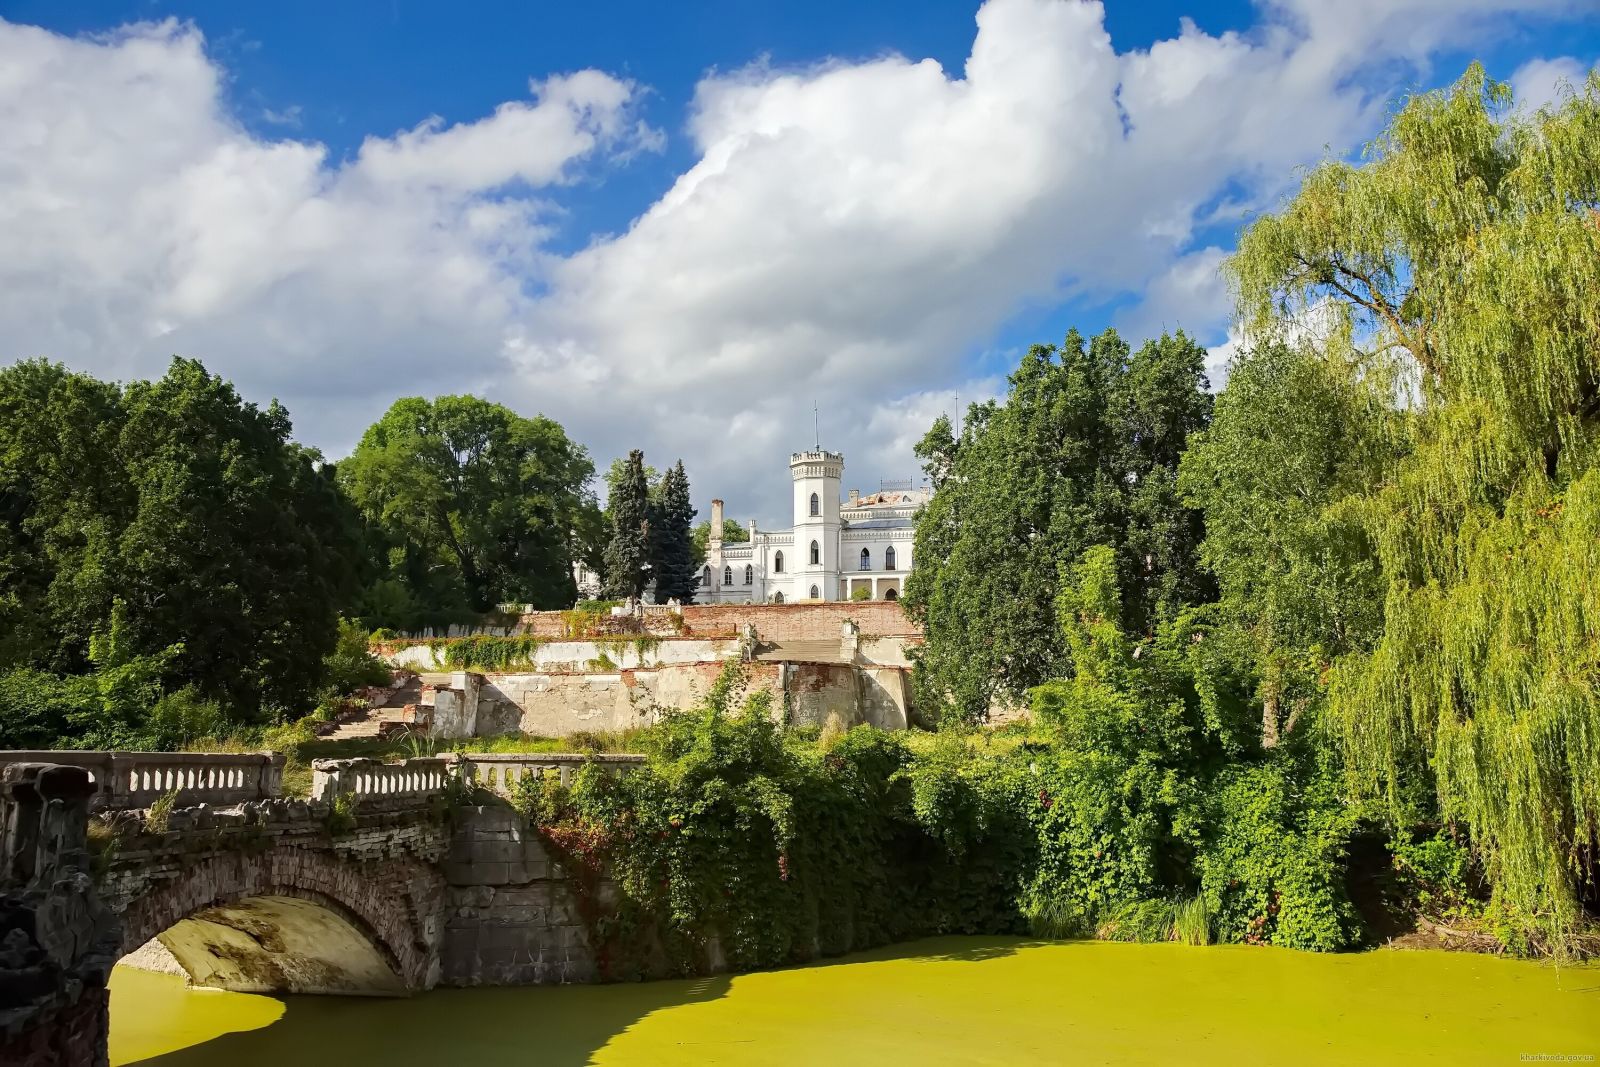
{"points": [[1467, 249]]}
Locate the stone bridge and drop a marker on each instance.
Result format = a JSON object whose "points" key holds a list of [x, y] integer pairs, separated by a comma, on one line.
{"points": [[388, 879]]}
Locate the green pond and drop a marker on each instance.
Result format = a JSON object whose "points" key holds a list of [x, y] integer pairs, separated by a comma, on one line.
{"points": [[947, 1000]]}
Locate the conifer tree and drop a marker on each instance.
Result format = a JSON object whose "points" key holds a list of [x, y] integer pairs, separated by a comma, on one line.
{"points": [[627, 555], [672, 557]]}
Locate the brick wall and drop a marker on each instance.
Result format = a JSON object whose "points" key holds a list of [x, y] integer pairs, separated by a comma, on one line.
{"points": [[773, 622]]}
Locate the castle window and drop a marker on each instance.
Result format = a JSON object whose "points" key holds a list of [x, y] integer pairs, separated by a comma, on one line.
{"points": [[816, 504], [705, 577], [816, 553], [866, 559], [814, 593], [777, 598], [777, 563], [749, 574], [891, 595], [727, 576], [888, 558]]}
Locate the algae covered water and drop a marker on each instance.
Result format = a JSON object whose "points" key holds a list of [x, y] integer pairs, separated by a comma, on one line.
{"points": [[942, 1001]]}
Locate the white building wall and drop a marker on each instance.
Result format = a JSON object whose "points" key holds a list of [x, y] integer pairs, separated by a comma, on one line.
{"points": [[837, 570]]}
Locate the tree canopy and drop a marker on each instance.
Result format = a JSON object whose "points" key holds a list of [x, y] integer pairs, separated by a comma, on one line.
{"points": [[1083, 452], [627, 556], [672, 558], [1464, 258], [168, 523], [469, 505]]}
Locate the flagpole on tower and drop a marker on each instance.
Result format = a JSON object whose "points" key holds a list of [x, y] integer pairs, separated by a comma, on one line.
{"points": [[816, 426]]}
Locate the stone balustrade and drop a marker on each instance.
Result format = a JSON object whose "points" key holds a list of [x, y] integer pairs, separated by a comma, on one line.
{"points": [[374, 780], [499, 772], [123, 780]]}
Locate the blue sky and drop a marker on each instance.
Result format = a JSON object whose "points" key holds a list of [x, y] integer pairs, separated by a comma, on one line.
{"points": [[741, 209]]}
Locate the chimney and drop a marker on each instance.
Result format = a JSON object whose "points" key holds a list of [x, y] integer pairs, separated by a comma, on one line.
{"points": [[716, 523], [855, 497]]}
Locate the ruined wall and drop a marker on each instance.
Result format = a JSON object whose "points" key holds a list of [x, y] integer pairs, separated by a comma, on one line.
{"points": [[848, 695], [774, 622], [511, 916], [555, 705], [577, 657]]}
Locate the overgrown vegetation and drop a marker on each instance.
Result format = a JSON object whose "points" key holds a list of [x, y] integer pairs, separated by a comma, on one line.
{"points": [[1352, 605]]}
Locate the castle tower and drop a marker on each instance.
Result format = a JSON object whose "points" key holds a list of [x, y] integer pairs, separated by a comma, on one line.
{"points": [[816, 476]]}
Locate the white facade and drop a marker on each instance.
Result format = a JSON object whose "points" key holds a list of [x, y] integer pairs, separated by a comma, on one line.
{"points": [[860, 547]]}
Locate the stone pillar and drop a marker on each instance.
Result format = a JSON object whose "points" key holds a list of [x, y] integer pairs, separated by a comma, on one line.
{"points": [[61, 941]]}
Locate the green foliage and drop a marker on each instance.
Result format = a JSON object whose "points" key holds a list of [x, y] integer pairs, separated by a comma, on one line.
{"points": [[541, 799], [1438, 875], [861, 592], [488, 654], [351, 665], [341, 818], [627, 555], [468, 505], [746, 835], [732, 534], [1465, 254], [159, 814], [1083, 452], [177, 514], [672, 558], [1191, 921], [1156, 796]]}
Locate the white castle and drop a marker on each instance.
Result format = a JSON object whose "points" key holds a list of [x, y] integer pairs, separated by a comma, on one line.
{"points": [[858, 548]]}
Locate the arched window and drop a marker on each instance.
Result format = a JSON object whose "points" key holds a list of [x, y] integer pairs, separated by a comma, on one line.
{"points": [[866, 559], [814, 593], [816, 504], [777, 563], [890, 594], [705, 578], [816, 553], [749, 574], [777, 598], [888, 558], [727, 576]]}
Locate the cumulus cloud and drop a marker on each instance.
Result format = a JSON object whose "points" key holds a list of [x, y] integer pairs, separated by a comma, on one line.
{"points": [[139, 219], [1542, 82], [848, 234]]}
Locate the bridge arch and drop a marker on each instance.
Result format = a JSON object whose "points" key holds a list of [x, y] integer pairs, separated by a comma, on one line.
{"points": [[290, 919]]}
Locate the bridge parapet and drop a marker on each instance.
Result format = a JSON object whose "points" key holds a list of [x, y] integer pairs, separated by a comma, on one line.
{"points": [[370, 779], [124, 780], [500, 772], [418, 779]]}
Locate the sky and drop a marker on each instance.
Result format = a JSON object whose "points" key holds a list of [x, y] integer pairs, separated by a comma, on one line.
{"points": [[679, 227]]}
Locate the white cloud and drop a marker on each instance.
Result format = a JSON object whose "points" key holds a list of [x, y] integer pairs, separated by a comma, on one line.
{"points": [[289, 116], [848, 233], [1541, 82]]}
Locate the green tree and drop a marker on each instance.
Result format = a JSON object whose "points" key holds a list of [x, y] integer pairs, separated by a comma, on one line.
{"points": [[1466, 251], [1298, 434], [627, 557], [1083, 452], [469, 486], [1158, 400], [672, 559], [732, 534], [168, 525]]}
